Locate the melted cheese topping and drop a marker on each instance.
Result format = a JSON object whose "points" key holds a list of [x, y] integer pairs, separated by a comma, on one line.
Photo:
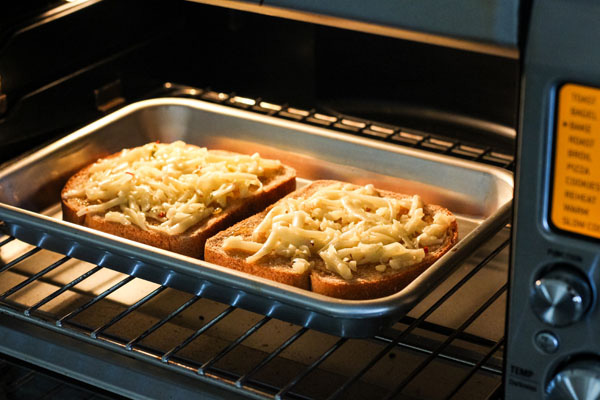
{"points": [[175, 185], [346, 226]]}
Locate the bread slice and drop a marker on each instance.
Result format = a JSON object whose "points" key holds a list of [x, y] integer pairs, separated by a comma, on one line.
{"points": [[366, 283], [192, 241]]}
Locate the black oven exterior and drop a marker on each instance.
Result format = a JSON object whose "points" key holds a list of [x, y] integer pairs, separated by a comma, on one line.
{"points": [[466, 90]]}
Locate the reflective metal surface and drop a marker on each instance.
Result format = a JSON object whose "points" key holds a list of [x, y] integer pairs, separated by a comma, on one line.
{"points": [[479, 195], [561, 297], [578, 381]]}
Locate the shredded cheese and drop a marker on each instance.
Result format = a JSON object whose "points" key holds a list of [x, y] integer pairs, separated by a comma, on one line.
{"points": [[346, 226], [175, 185]]}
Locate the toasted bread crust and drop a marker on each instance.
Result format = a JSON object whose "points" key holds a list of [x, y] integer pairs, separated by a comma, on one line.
{"points": [[191, 242], [271, 267], [367, 283]]}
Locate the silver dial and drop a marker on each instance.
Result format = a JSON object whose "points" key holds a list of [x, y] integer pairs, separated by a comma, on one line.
{"points": [[577, 381], [561, 296]]}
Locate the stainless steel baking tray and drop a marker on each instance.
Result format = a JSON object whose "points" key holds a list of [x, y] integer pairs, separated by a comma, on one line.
{"points": [[479, 195]]}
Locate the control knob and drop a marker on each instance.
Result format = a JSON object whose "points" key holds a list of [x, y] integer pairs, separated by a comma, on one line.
{"points": [[579, 380], [561, 296]]}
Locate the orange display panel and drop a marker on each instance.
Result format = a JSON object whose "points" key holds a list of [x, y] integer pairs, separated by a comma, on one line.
{"points": [[576, 188]]}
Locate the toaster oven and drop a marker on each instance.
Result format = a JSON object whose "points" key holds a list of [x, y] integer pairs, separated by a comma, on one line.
{"points": [[401, 93]]}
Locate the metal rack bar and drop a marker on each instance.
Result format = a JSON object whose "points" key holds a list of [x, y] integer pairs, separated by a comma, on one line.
{"points": [[60, 291], [242, 379], [475, 368], [416, 323], [96, 299], [19, 259], [232, 345], [342, 123], [442, 330], [26, 282], [160, 323], [127, 311], [223, 314], [469, 321], [456, 360], [311, 367]]}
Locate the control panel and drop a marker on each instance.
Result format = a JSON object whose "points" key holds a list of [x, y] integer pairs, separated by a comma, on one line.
{"points": [[552, 349]]}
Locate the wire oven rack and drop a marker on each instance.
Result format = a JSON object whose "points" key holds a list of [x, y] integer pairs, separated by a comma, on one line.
{"points": [[450, 346], [347, 124], [255, 355]]}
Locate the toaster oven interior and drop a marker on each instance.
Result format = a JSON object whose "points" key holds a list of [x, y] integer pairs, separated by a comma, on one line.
{"points": [[137, 339], [448, 92]]}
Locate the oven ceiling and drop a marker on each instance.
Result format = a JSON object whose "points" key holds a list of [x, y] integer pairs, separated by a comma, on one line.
{"points": [[490, 27]]}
